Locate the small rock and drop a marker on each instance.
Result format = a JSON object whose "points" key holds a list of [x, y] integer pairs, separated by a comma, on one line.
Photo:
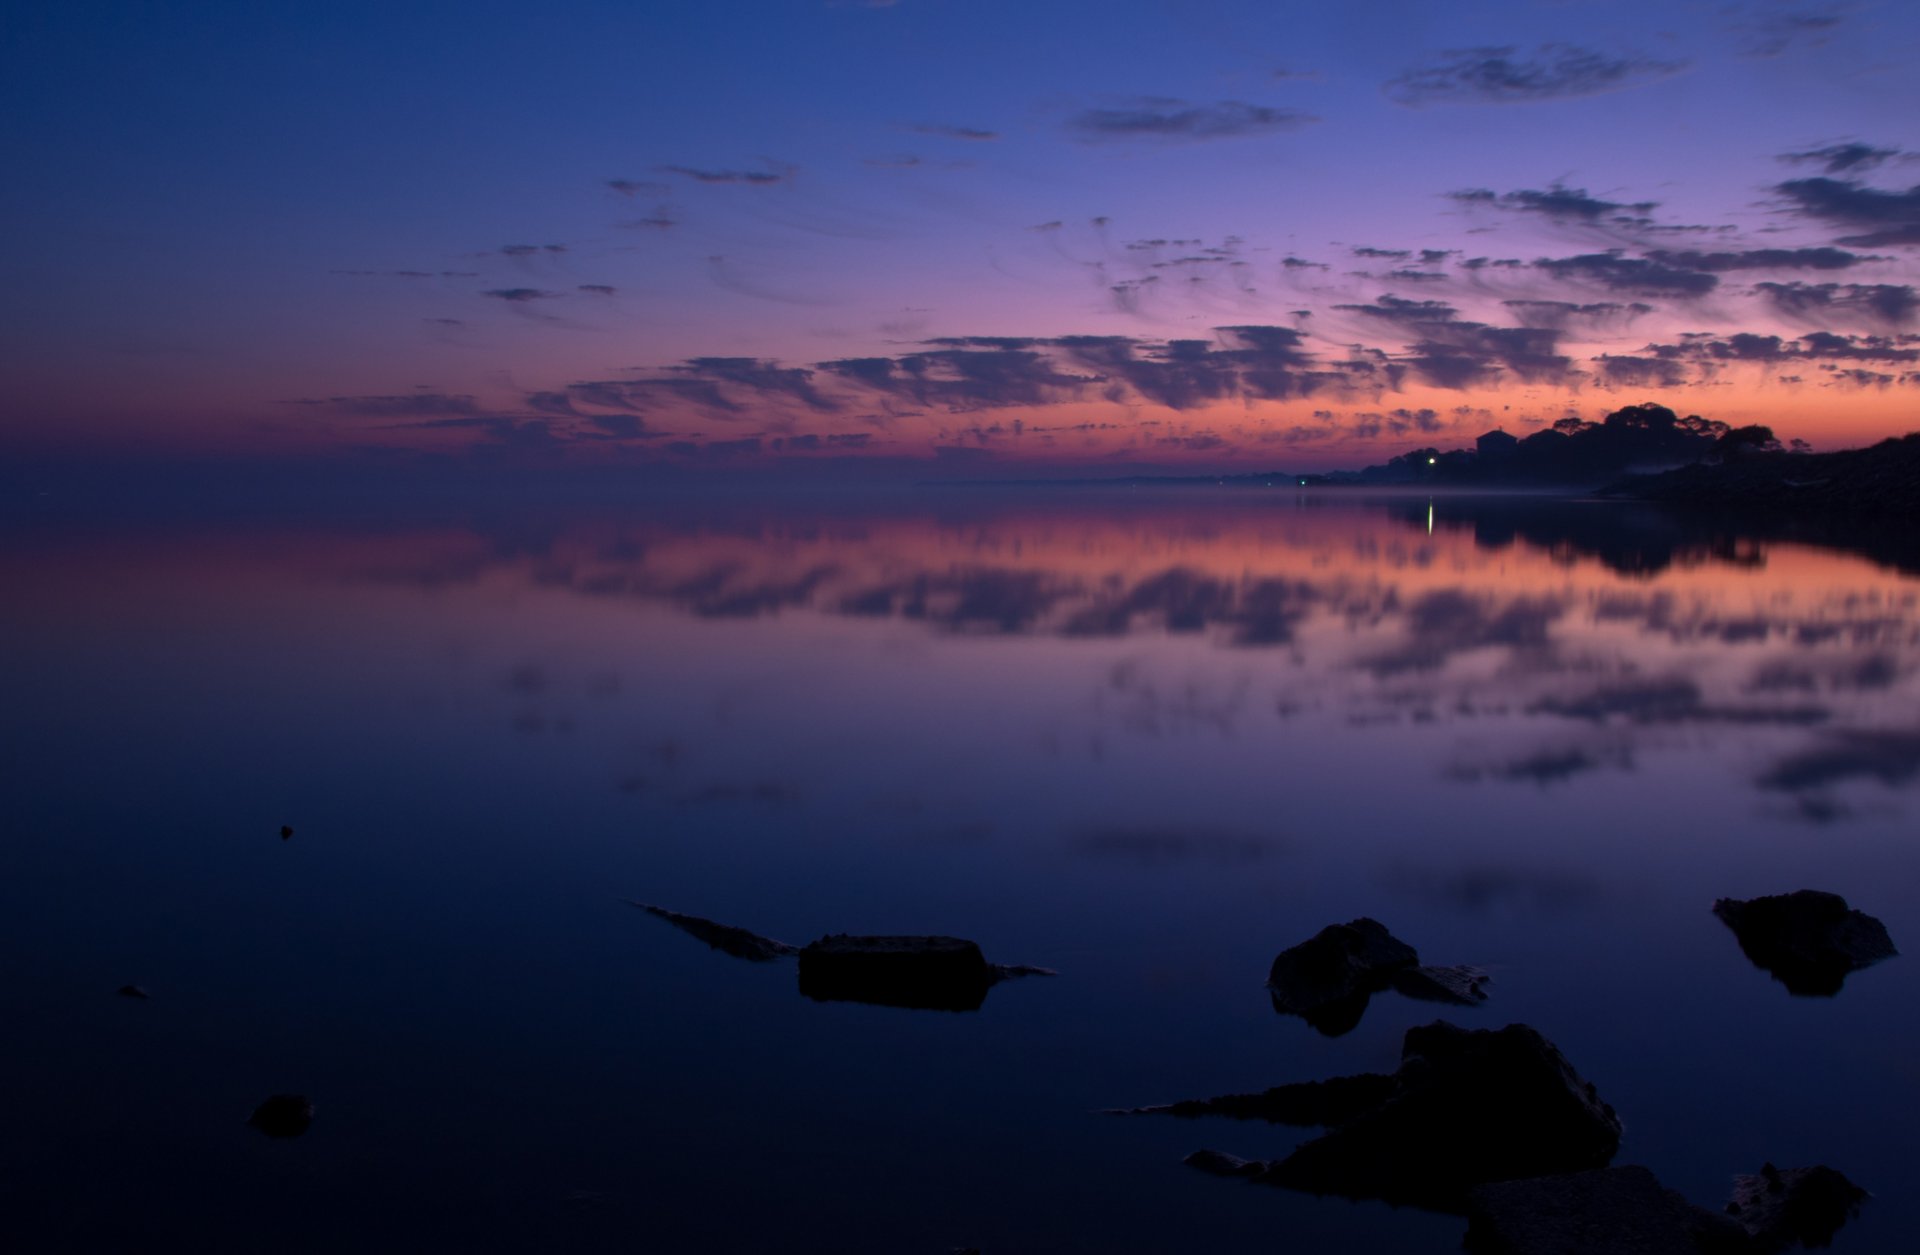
{"points": [[283, 1115], [1808, 940], [132, 991], [1784, 1206], [935, 973], [285, 832], [1328, 978], [737, 942]]}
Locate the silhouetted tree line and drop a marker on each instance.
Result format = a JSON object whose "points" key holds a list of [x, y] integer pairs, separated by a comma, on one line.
{"points": [[1575, 451]]}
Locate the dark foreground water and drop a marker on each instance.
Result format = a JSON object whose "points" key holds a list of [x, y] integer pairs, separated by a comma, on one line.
{"points": [[1145, 740]]}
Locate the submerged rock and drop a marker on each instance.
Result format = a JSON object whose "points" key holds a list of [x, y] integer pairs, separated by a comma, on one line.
{"points": [[1808, 940], [1465, 1108], [285, 831], [1329, 978], [1782, 1207], [935, 973], [132, 991], [1608, 1211], [283, 1115], [737, 942]]}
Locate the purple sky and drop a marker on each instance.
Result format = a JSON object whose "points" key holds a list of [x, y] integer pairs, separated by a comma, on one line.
{"points": [[1074, 236]]}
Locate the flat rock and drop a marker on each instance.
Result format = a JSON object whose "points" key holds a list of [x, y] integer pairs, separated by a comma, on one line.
{"points": [[1466, 1108], [1608, 1211], [1808, 940], [283, 1115], [1782, 1207], [1307, 1104], [935, 973], [725, 938]]}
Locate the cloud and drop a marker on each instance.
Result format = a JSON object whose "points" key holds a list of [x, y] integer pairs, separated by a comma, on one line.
{"points": [[519, 296], [943, 131], [1889, 218], [1173, 845], [530, 250], [1629, 274], [1563, 204], [1889, 304], [598, 289], [756, 178], [1760, 259], [1500, 75], [1890, 756], [1166, 118], [1840, 158], [632, 187], [406, 404], [1561, 315], [1451, 353], [1774, 34]]}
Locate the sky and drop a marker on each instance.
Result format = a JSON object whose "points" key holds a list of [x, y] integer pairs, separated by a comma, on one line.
{"points": [[1013, 239]]}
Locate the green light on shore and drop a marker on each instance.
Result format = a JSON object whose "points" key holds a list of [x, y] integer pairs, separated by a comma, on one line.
{"points": [[1431, 461]]}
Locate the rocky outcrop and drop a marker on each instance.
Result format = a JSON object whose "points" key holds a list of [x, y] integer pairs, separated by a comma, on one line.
{"points": [[1465, 1108], [1808, 940]]}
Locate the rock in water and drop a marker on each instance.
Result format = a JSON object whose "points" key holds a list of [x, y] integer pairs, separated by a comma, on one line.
{"points": [[737, 942], [1808, 940], [937, 973], [1458, 984], [132, 991], [285, 831], [283, 1115], [1328, 979], [1609, 1211], [1782, 1207], [1466, 1108]]}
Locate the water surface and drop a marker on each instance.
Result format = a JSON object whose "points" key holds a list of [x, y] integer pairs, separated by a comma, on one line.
{"points": [[1146, 739]]}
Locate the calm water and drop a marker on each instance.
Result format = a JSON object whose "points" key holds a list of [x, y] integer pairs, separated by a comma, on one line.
{"points": [[1147, 740]]}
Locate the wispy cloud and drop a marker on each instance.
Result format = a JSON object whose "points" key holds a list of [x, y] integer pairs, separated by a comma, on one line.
{"points": [[945, 131], [1169, 118], [753, 178], [1503, 75]]}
